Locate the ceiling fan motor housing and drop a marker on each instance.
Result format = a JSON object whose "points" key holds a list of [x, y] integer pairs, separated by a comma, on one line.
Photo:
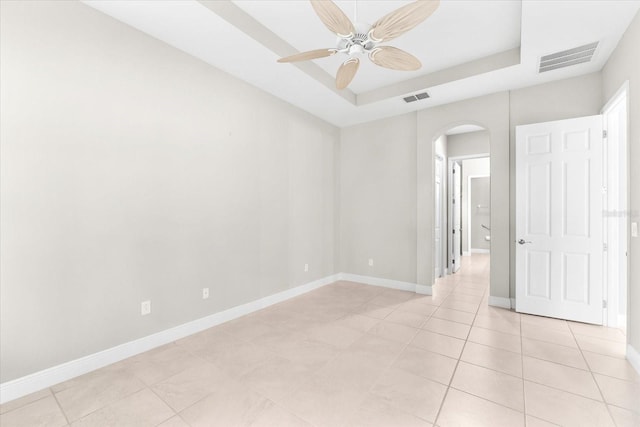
{"points": [[358, 43]]}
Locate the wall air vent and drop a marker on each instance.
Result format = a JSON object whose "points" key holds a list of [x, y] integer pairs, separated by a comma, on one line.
{"points": [[416, 97], [566, 58]]}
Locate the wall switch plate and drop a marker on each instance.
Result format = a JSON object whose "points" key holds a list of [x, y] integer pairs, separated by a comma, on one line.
{"points": [[634, 229], [306, 267], [145, 308], [370, 262], [205, 293]]}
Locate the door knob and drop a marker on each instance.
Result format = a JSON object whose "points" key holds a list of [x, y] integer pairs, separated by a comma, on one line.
{"points": [[522, 241]]}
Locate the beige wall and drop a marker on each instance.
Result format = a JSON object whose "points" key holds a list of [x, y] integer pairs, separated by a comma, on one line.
{"points": [[624, 65], [467, 144], [471, 217], [378, 198], [132, 171]]}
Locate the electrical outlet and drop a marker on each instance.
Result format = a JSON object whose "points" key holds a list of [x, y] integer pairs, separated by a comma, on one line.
{"points": [[306, 267], [370, 262], [205, 293], [145, 308]]}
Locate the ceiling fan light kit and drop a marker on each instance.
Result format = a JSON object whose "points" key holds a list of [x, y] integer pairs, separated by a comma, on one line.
{"points": [[361, 39]]}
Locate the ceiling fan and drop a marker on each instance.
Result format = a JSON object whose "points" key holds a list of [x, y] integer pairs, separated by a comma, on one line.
{"points": [[362, 39]]}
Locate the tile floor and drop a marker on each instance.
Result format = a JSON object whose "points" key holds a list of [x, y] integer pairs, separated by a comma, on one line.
{"points": [[357, 355]]}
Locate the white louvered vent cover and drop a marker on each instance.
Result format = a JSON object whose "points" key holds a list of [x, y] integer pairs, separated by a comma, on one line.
{"points": [[416, 97], [566, 58]]}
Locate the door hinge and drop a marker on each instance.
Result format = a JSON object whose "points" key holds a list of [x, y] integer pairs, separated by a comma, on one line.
{"points": [[604, 133], [454, 171], [604, 303], [453, 231], [605, 247], [453, 261]]}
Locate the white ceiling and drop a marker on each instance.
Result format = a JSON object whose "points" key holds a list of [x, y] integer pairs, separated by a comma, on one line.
{"points": [[468, 48]]}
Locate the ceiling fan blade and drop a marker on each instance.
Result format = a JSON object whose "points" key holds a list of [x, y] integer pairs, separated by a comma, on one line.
{"points": [[394, 58], [305, 56], [403, 19], [347, 72], [333, 17]]}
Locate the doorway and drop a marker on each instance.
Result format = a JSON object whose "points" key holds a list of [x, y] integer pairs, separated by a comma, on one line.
{"points": [[461, 161]]}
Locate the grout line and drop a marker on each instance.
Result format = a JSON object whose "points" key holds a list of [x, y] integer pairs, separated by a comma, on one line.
{"points": [[604, 401], [64, 414]]}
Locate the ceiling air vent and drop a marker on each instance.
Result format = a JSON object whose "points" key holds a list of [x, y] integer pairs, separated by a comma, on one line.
{"points": [[566, 58], [416, 97]]}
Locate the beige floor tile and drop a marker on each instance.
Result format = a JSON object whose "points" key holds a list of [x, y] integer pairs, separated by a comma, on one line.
{"points": [[374, 310], [141, 409], [206, 341], [236, 359], [554, 353], [553, 336], [417, 307], [274, 416], [323, 402], [624, 417], [447, 327], [503, 313], [493, 358], [596, 331], [496, 339], [160, 363], [621, 393], [350, 371], [454, 315], [358, 322], [275, 378], [410, 393], [186, 388], [611, 366], [406, 318], [438, 343], [17, 403], [563, 408], [174, 422], [506, 326], [393, 331], [230, 405], [471, 307], [429, 365], [375, 412], [562, 377], [463, 409], [375, 349], [43, 412], [245, 329], [598, 345], [87, 393], [545, 322], [310, 353], [537, 422], [492, 385]]}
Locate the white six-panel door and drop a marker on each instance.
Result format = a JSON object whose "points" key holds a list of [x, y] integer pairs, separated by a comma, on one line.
{"points": [[559, 194]]}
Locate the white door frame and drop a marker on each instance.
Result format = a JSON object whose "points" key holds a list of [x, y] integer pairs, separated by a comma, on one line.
{"points": [[616, 227], [469, 178], [450, 162], [443, 221]]}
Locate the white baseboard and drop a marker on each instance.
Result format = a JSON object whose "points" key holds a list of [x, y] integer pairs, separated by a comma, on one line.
{"points": [[480, 251], [376, 281], [424, 290], [500, 302], [31, 383], [633, 357], [466, 253]]}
